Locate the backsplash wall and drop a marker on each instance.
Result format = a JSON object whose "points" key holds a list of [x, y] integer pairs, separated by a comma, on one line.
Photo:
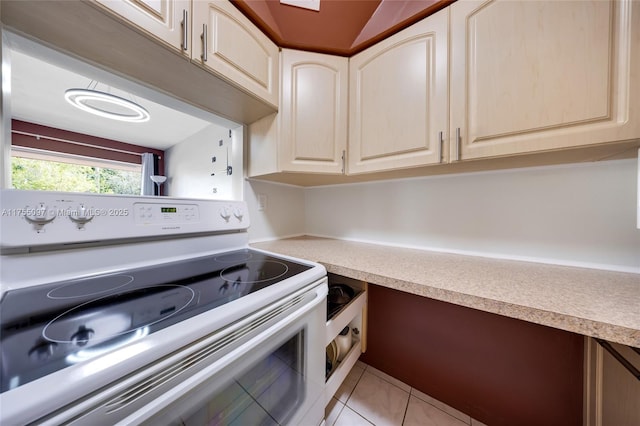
{"points": [[580, 214], [283, 214]]}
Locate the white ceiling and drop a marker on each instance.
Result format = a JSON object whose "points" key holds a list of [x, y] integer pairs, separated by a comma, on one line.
{"points": [[37, 96]]}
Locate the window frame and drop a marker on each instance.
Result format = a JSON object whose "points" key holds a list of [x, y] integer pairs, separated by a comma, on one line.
{"points": [[44, 138]]}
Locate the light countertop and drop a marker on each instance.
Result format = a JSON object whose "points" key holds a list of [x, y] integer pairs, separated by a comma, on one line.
{"points": [[591, 302]]}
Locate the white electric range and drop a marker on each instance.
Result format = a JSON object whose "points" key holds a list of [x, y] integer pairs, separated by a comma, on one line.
{"points": [[139, 310]]}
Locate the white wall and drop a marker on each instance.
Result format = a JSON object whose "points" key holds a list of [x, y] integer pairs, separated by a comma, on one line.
{"points": [[284, 212], [582, 214], [189, 167]]}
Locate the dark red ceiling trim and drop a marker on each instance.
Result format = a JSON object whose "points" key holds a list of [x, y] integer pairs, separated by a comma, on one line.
{"points": [[259, 14], [377, 29], [316, 30]]}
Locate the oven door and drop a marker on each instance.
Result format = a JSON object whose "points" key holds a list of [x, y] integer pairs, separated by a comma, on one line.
{"points": [[267, 369]]}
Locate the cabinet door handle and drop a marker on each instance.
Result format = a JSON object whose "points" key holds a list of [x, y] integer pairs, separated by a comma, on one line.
{"points": [[344, 160], [203, 36], [457, 143], [440, 145], [185, 30]]}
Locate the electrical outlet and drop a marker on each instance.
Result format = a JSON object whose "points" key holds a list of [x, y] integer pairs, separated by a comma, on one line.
{"points": [[262, 202]]}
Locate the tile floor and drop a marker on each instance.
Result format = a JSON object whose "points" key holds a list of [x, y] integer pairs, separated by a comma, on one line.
{"points": [[370, 397]]}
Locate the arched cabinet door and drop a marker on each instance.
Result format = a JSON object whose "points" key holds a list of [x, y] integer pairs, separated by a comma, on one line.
{"points": [[168, 21], [313, 111], [531, 76], [226, 42], [398, 99]]}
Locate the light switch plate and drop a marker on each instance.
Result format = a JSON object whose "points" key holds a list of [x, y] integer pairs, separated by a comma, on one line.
{"points": [[262, 202]]}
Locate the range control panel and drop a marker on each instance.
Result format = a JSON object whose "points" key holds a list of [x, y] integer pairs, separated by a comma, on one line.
{"points": [[36, 218], [150, 213]]}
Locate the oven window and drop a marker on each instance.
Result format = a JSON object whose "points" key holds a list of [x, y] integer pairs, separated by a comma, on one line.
{"points": [[268, 393]]}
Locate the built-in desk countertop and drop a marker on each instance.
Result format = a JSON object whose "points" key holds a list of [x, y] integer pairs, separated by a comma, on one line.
{"points": [[591, 302]]}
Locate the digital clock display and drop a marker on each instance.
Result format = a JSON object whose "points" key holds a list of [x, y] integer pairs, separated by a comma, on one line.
{"points": [[168, 210]]}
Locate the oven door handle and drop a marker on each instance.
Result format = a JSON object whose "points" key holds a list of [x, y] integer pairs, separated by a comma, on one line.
{"points": [[264, 337]]}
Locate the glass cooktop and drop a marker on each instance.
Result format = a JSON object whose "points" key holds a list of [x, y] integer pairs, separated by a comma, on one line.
{"points": [[49, 327]]}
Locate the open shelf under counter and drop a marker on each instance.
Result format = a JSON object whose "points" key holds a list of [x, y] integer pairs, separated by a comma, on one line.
{"points": [[354, 315], [345, 316], [342, 370]]}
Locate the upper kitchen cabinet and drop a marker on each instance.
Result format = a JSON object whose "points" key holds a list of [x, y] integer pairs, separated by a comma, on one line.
{"points": [[399, 99], [314, 112], [531, 76], [226, 42], [166, 20], [309, 134]]}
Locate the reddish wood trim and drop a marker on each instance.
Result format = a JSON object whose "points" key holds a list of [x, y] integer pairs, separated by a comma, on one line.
{"points": [[500, 371], [387, 21], [87, 145], [341, 28]]}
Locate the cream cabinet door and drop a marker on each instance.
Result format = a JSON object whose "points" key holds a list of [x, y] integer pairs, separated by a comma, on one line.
{"points": [[541, 75], [612, 391], [399, 99], [313, 110], [166, 20], [225, 41]]}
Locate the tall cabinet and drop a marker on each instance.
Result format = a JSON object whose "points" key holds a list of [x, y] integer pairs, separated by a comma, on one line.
{"points": [[398, 92], [533, 76]]}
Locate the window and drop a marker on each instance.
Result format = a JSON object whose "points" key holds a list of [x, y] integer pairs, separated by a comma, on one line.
{"points": [[50, 159], [42, 170]]}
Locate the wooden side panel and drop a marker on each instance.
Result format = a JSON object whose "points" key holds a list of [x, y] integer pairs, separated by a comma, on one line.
{"points": [[612, 392], [499, 370]]}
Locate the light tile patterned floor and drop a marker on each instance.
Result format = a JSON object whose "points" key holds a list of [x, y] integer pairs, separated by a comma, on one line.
{"points": [[370, 397]]}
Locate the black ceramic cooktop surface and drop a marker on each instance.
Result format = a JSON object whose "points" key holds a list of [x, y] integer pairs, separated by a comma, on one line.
{"points": [[49, 327]]}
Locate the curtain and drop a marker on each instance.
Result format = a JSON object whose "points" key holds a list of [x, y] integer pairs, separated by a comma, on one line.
{"points": [[147, 186]]}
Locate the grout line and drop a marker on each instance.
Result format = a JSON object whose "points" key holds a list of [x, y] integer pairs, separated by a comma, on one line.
{"points": [[360, 415], [391, 383], [339, 412], [406, 409], [354, 386], [411, 393], [440, 409]]}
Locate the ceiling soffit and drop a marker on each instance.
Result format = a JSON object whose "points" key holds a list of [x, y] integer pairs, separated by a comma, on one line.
{"points": [[340, 27]]}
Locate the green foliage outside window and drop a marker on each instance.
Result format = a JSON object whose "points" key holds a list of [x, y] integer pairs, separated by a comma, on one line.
{"points": [[28, 173]]}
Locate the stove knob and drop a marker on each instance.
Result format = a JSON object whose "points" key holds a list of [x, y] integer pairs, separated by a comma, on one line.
{"points": [[82, 336], [223, 288], [39, 216], [225, 213], [238, 213], [42, 351], [81, 216]]}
